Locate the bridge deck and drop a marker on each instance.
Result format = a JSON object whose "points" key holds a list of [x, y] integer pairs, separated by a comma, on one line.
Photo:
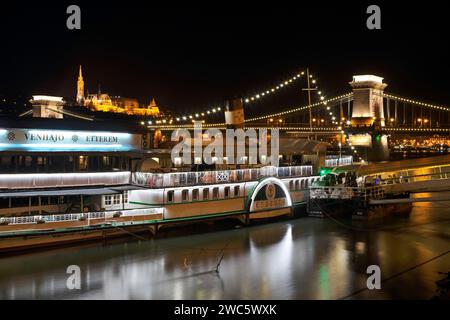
{"points": [[401, 165]]}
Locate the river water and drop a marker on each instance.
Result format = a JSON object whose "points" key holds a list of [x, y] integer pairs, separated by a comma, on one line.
{"points": [[304, 258]]}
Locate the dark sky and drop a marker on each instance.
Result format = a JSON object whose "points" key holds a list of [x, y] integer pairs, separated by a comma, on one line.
{"points": [[189, 56]]}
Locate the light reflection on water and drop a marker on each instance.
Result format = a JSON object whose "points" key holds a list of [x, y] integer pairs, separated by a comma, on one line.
{"points": [[305, 258]]}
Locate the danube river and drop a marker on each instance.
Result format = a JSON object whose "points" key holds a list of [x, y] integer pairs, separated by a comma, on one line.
{"points": [[305, 258]]}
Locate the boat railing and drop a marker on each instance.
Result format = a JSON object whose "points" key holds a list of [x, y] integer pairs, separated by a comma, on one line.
{"points": [[337, 161], [176, 179], [52, 180], [78, 216], [343, 192]]}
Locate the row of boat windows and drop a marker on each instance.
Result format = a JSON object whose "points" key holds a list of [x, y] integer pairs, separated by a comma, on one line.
{"points": [[228, 192], [206, 194], [301, 183]]}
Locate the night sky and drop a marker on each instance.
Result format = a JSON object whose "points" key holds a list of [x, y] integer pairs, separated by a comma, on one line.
{"points": [[193, 56]]}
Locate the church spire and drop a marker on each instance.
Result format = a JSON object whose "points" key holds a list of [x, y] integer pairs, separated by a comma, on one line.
{"points": [[80, 87]]}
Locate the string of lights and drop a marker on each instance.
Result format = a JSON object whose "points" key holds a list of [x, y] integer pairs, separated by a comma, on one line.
{"points": [[423, 104], [211, 111], [274, 89], [334, 121], [297, 109]]}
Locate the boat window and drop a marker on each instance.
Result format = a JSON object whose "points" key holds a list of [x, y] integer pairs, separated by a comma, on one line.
{"points": [[297, 184], [108, 200], [227, 192], [215, 193], [116, 199], [237, 191], [170, 197], [205, 194], [184, 195], [291, 185], [195, 195]]}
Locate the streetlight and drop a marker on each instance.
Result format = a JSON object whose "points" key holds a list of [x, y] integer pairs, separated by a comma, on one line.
{"points": [[340, 152]]}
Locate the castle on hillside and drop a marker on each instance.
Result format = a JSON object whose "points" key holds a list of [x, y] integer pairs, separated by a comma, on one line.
{"points": [[103, 102]]}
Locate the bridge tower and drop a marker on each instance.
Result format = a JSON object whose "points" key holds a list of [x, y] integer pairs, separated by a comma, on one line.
{"points": [[367, 100], [234, 113], [367, 118]]}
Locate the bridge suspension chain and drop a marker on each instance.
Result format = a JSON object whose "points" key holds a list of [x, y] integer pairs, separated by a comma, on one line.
{"points": [[419, 103], [297, 109]]}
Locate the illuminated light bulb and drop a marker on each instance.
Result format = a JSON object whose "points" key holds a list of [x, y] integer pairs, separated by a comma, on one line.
{"points": [[298, 75], [267, 92], [320, 92], [263, 94], [348, 122], [177, 119], [208, 112], [331, 113], [214, 110], [285, 82], [164, 121], [142, 122], [314, 81], [252, 98], [257, 96], [310, 75], [303, 72], [218, 108], [247, 100], [203, 114], [322, 98], [281, 85], [328, 108], [149, 122], [184, 117], [277, 87], [190, 117], [273, 89], [290, 80]]}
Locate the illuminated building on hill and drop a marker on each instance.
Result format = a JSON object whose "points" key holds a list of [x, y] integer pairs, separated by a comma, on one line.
{"points": [[103, 102]]}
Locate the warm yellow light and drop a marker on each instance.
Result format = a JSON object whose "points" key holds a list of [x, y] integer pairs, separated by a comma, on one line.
{"points": [[314, 119]]}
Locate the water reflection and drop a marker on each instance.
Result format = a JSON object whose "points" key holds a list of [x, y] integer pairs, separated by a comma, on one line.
{"points": [[297, 259]]}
